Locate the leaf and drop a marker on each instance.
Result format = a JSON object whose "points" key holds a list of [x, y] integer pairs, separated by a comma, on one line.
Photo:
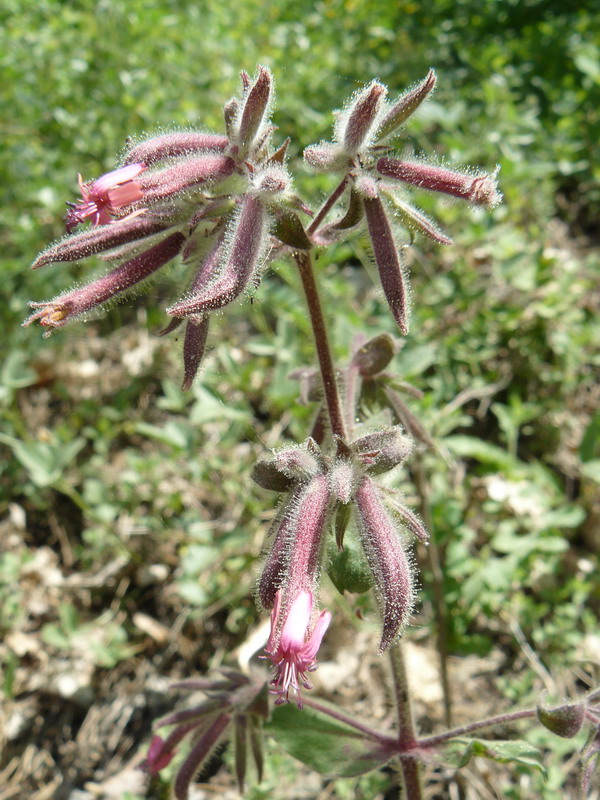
{"points": [[589, 448], [324, 744], [46, 461], [415, 360], [459, 752], [591, 470], [348, 568], [470, 447], [175, 434], [289, 230]]}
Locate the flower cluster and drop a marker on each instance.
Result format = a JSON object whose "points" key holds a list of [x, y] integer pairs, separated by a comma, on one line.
{"points": [[223, 203], [363, 134], [318, 490]]}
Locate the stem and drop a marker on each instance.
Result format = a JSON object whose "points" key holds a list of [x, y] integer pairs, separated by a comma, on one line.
{"points": [[407, 739], [335, 714], [327, 205], [319, 328], [501, 719], [437, 585]]}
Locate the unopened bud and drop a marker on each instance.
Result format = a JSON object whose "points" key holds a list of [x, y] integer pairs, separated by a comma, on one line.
{"points": [[387, 259], [326, 157], [100, 239], [374, 356], [256, 105], [565, 721], [170, 145], [403, 108], [341, 481], [383, 450], [194, 344], [242, 255], [55, 313], [481, 189], [387, 560], [359, 119], [184, 175]]}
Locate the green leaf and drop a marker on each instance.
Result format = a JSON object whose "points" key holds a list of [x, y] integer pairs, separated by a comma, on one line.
{"points": [[348, 568], [415, 360], [45, 461], [459, 752], [470, 447], [592, 470], [176, 434], [324, 744], [590, 442]]}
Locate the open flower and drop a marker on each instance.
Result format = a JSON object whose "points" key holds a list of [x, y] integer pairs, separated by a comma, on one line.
{"points": [[103, 197], [293, 652]]}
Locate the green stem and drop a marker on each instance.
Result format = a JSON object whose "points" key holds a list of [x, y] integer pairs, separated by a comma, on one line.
{"points": [[317, 320]]}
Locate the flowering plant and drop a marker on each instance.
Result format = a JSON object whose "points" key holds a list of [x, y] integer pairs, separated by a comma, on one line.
{"points": [[225, 204]]}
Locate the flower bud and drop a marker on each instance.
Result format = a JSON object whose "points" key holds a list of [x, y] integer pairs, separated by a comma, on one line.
{"points": [[194, 344], [565, 721], [98, 240], [184, 175], [358, 121], [326, 157], [387, 560], [171, 145], [403, 108], [55, 313], [374, 356], [242, 255], [481, 189], [388, 260], [341, 481], [383, 450], [255, 110]]}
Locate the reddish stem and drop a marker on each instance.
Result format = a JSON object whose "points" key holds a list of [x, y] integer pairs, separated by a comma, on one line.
{"points": [[327, 205], [319, 328]]}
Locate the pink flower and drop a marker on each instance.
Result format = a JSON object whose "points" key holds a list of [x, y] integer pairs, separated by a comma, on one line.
{"points": [[293, 651], [101, 198]]}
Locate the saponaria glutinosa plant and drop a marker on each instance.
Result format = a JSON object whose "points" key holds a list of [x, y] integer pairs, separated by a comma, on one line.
{"points": [[225, 205]]}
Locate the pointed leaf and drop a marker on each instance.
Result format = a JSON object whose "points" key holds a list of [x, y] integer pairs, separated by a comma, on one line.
{"points": [[353, 215], [414, 219], [289, 230], [241, 749], [459, 752]]}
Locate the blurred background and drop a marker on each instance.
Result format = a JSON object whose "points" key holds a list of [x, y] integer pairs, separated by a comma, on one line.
{"points": [[130, 535]]}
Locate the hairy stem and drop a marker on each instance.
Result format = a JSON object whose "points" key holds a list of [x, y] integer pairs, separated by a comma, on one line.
{"points": [[319, 328], [407, 739], [327, 206], [335, 714], [501, 719]]}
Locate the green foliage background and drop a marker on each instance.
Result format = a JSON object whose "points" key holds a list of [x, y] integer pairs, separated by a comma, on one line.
{"points": [[111, 464]]}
